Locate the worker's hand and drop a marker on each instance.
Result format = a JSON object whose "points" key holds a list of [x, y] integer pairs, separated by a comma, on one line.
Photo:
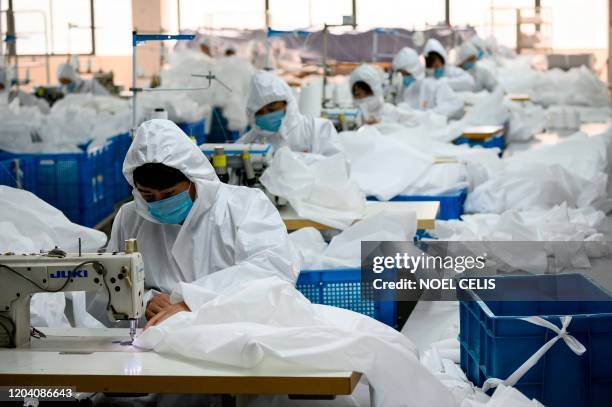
{"points": [[156, 304], [371, 121], [166, 313]]}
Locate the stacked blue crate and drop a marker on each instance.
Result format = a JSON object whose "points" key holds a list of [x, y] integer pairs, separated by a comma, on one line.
{"points": [[120, 145], [495, 340], [196, 130], [219, 132], [342, 288], [451, 202], [18, 172]]}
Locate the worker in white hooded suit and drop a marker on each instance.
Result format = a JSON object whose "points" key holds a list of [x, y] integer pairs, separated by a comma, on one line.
{"points": [[438, 67], [467, 58], [73, 83], [366, 83], [190, 229], [275, 119], [423, 93]]}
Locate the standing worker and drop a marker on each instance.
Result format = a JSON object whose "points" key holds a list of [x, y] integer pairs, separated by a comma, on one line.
{"points": [[437, 67], [467, 58], [422, 93], [275, 119], [189, 225], [73, 83]]}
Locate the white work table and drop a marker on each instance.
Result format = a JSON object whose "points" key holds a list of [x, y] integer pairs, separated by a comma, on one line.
{"points": [[88, 360], [426, 212]]}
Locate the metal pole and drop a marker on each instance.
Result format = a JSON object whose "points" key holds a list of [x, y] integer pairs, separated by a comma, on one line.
{"points": [[93, 27], [354, 15], [538, 27], [325, 39], [178, 15], [447, 12], [134, 92]]}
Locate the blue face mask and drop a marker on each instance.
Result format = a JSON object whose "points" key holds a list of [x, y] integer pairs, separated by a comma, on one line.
{"points": [[439, 72], [71, 86], [469, 65], [172, 210], [270, 121], [408, 80], [480, 54]]}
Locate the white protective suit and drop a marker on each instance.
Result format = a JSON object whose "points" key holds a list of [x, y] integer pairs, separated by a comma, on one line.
{"points": [[483, 78], [457, 78], [425, 93], [229, 228], [385, 112], [298, 132], [66, 71]]}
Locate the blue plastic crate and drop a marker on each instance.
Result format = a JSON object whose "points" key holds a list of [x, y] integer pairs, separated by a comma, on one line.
{"points": [[81, 185], [451, 203], [195, 130], [495, 342], [120, 145], [19, 172], [342, 288], [219, 131], [494, 142]]}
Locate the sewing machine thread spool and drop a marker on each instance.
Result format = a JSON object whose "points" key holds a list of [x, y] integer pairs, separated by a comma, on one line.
{"points": [[131, 246]]}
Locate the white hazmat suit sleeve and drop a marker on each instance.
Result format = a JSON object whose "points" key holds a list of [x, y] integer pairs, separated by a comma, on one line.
{"points": [[262, 249]]}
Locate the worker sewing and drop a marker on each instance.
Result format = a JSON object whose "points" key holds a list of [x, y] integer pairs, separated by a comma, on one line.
{"points": [[437, 66], [190, 225], [423, 93], [73, 83], [273, 113], [467, 58], [366, 87]]}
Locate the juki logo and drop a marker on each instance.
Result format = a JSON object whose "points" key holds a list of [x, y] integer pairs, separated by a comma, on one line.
{"points": [[69, 274]]}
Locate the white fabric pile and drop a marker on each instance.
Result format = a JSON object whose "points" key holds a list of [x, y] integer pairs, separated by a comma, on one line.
{"points": [[251, 322], [560, 223], [72, 121], [28, 225], [234, 71], [344, 249], [578, 86], [574, 172], [20, 126], [317, 187]]}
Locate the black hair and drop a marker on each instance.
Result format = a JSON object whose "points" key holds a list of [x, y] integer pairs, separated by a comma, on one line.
{"points": [[363, 86], [431, 57], [158, 176]]}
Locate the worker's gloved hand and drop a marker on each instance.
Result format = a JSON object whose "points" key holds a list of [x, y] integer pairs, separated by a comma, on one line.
{"points": [[156, 304], [166, 313]]}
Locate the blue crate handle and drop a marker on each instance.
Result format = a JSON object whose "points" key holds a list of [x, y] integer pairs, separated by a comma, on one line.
{"points": [[562, 333]]}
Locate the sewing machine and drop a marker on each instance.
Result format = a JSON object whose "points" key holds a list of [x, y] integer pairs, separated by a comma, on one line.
{"points": [[238, 164], [119, 274]]}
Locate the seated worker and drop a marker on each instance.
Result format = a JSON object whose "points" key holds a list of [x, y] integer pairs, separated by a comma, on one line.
{"points": [[467, 58], [72, 82], [189, 225], [275, 119], [367, 90], [423, 93], [25, 99], [437, 66]]}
